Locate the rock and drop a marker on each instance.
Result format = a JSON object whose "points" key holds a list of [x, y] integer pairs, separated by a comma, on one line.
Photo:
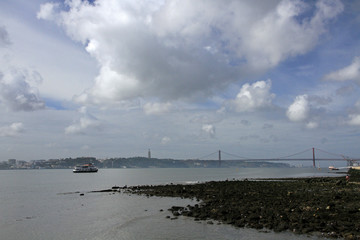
{"points": [[311, 205], [176, 208]]}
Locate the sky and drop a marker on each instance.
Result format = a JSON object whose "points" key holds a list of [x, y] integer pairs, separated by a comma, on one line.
{"points": [[109, 78]]}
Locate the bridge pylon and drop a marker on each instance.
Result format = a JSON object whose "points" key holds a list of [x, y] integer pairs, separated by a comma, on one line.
{"points": [[313, 150], [219, 158]]}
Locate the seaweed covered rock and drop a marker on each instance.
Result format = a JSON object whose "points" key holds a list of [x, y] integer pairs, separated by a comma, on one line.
{"points": [[354, 175], [330, 206]]}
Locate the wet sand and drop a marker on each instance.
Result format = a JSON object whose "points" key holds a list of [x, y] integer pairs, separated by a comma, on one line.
{"points": [[326, 206]]}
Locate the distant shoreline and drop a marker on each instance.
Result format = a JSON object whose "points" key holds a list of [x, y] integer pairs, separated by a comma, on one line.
{"points": [[135, 162]]}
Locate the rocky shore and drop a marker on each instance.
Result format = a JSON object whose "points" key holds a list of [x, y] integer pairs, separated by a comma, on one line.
{"points": [[325, 206]]}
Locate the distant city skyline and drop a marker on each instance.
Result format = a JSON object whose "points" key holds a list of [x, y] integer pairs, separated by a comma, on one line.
{"points": [[106, 79]]}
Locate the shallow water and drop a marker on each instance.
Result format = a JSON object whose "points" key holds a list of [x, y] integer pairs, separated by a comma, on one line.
{"points": [[46, 204]]}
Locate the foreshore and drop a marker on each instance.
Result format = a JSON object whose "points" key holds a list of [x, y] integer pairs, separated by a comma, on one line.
{"points": [[326, 206]]}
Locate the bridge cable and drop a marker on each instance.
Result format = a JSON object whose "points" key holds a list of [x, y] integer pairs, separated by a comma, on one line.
{"points": [[202, 158], [334, 154], [293, 154], [233, 155]]}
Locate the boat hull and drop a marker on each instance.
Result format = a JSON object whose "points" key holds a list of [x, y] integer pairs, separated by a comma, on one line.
{"points": [[82, 171]]}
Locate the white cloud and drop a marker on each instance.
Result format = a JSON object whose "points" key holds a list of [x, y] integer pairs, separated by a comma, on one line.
{"points": [[253, 97], [47, 11], [209, 129], [312, 125], [279, 35], [17, 91], [85, 122], [165, 140], [354, 119], [299, 110], [110, 86], [11, 130], [176, 50], [157, 108], [351, 72]]}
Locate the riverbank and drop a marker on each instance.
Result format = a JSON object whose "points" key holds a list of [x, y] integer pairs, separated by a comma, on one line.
{"points": [[327, 206]]}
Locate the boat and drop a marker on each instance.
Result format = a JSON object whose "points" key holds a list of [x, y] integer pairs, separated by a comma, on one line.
{"points": [[355, 167], [333, 168], [86, 168]]}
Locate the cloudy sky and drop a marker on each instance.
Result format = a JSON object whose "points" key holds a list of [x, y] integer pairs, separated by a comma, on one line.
{"points": [[109, 78]]}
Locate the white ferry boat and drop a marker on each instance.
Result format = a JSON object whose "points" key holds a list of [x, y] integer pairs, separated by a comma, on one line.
{"points": [[86, 168], [332, 168]]}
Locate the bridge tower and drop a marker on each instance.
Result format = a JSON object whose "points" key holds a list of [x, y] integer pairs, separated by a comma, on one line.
{"points": [[313, 150], [219, 158]]}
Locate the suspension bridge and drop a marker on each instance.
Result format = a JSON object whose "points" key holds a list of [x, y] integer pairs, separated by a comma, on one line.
{"points": [[305, 155]]}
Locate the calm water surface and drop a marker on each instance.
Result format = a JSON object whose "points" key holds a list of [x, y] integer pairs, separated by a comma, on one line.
{"points": [[46, 204]]}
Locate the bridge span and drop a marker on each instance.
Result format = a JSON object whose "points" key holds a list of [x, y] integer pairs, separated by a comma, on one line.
{"points": [[291, 157]]}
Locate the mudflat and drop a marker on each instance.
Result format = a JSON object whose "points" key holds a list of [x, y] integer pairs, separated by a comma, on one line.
{"points": [[326, 206]]}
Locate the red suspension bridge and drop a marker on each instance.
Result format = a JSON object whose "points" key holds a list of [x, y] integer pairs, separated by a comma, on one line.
{"points": [[311, 155]]}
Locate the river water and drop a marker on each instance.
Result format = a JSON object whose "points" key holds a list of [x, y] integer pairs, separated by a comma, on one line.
{"points": [[46, 204]]}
